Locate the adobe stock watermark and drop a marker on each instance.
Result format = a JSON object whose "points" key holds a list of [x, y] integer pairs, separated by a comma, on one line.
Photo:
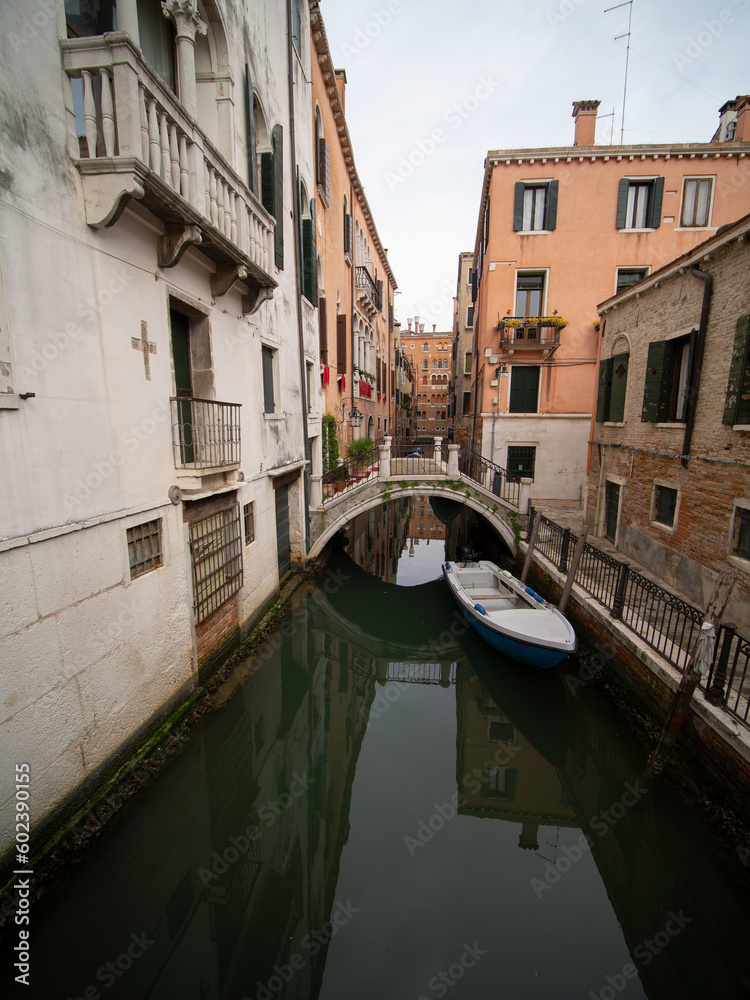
{"points": [[128, 444], [341, 915], [454, 117], [378, 21], [712, 28], [601, 823], [59, 341], [564, 11], [645, 952], [269, 814], [112, 971], [442, 982], [45, 13]]}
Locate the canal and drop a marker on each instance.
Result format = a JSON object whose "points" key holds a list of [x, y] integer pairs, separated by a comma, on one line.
{"points": [[378, 807]]}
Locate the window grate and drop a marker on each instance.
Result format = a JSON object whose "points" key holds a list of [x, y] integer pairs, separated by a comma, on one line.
{"points": [[216, 547], [144, 548], [249, 512]]}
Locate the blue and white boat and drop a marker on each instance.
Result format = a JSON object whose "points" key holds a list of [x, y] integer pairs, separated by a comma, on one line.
{"points": [[508, 615]]}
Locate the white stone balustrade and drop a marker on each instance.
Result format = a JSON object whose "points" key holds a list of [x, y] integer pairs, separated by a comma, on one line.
{"points": [[141, 143]]}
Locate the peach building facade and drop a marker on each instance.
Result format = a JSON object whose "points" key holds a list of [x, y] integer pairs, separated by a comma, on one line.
{"points": [[355, 282], [432, 355], [559, 230]]}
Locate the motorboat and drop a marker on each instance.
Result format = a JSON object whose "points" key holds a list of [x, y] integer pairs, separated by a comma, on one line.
{"points": [[509, 615]]}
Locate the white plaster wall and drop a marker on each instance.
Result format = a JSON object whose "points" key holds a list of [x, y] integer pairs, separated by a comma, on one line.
{"points": [[561, 442]]}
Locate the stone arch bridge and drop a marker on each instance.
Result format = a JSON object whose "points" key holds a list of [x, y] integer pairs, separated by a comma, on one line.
{"points": [[402, 468]]}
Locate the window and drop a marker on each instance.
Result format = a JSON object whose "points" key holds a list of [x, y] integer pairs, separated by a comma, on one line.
{"points": [[524, 389], [144, 548], [639, 203], [696, 201], [613, 379], [90, 17], [470, 316], [501, 730], [611, 510], [498, 782], [740, 535], [309, 385], [322, 161], [309, 251], [737, 403], [467, 363], [215, 544], [249, 518], [664, 505], [629, 276], [297, 27], [157, 41], [470, 276], [530, 293], [535, 206], [269, 379], [520, 463], [424, 364], [425, 347], [348, 233], [466, 403], [665, 395], [272, 189]]}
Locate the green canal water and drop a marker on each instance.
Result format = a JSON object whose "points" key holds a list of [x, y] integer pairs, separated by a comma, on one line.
{"points": [[378, 807]]}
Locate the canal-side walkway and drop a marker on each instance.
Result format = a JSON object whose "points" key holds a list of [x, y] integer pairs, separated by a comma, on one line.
{"points": [[715, 742]]}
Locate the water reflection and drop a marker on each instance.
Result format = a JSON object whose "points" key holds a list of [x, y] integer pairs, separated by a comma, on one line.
{"points": [[377, 796]]}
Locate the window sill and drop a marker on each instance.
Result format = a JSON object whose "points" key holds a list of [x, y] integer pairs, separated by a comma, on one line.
{"points": [[274, 416], [672, 423], [9, 401], [534, 232], [741, 427], [323, 197], [613, 423], [668, 528], [694, 229], [649, 229], [738, 562]]}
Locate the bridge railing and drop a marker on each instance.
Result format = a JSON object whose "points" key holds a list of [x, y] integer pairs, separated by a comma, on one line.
{"points": [[351, 473], [414, 457], [489, 475]]}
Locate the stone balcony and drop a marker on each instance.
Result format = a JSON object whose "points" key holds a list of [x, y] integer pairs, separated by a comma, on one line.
{"points": [[369, 292], [519, 334], [140, 143]]}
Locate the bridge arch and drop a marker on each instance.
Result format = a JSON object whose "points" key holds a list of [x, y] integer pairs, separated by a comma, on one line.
{"points": [[340, 515]]}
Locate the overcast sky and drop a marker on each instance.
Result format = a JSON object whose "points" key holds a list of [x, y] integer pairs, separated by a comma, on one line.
{"points": [[503, 74]]}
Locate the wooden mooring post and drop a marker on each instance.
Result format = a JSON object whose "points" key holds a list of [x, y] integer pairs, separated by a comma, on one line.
{"points": [[532, 544], [577, 553]]}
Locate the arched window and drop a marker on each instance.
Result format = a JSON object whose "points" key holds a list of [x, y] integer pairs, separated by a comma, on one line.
{"points": [[322, 167]]}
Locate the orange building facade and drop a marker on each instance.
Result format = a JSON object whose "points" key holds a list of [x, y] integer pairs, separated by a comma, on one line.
{"points": [[432, 355], [559, 230], [355, 281]]}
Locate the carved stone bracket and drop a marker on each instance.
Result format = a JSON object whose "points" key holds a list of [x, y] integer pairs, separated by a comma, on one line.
{"points": [[174, 243], [254, 298], [225, 277]]}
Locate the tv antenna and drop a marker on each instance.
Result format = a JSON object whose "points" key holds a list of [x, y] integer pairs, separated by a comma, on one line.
{"points": [[628, 3]]}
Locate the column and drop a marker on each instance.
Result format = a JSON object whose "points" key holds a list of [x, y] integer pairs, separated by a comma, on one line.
{"points": [[184, 14], [127, 19], [452, 470]]}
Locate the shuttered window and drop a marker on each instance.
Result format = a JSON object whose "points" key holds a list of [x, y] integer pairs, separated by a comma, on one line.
{"points": [[613, 379], [535, 206], [341, 341], [524, 389], [323, 170], [310, 257], [252, 180], [272, 189], [323, 327], [737, 403], [639, 203], [520, 463], [665, 392], [269, 402]]}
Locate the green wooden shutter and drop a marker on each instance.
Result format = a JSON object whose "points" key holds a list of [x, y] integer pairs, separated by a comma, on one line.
{"points": [[550, 208], [654, 203], [657, 391], [618, 385], [323, 329], [266, 182], [524, 389], [470, 316], [517, 207], [622, 202], [737, 404], [252, 179], [510, 784], [277, 139], [309, 257], [605, 387]]}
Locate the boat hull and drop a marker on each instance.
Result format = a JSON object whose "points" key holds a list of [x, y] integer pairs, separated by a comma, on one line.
{"points": [[525, 652]]}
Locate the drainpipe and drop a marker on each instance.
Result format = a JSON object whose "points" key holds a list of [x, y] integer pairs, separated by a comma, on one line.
{"points": [[298, 281], [695, 373]]}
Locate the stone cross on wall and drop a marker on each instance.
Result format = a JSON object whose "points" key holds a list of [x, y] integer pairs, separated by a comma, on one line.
{"points": [[146, 346]]}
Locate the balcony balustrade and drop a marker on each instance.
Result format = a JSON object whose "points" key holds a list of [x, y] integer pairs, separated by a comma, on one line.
{"points": [[138, 142], [519, 334], [368, 291], [205, 433]]}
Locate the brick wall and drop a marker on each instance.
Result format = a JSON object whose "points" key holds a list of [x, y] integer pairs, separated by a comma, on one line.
{"points": [[217, 634], [691, 555]]}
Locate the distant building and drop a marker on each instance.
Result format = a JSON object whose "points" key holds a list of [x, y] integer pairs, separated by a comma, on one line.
{"points": [[433, 367], [559, 230], [670, 467], [404, 380], [463, 339], [355, 283]]}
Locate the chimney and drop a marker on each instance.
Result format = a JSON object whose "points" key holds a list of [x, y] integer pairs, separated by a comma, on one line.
{"points": [[409, 322], [341, 85], [742, 132], [416, 324], [434, 327], [421, 327], [584, 113]]}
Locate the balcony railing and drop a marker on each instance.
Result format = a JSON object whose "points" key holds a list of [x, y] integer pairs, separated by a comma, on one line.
{"points": [[368, 289], [139, 143], [516, 334], [205, 433]]}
